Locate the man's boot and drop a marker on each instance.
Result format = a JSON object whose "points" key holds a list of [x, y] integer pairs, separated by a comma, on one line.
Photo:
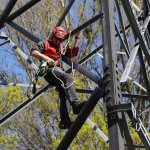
{"points": [[77, 106], [65, 124]]}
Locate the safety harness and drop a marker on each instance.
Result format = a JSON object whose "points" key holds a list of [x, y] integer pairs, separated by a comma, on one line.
{"points": [[53, 52]]}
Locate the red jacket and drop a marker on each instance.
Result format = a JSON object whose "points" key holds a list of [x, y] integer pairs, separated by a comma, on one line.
{"points": [[54, 52]]}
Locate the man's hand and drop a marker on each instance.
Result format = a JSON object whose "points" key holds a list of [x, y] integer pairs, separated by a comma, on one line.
{"points": [[41, 56], [51, 62]]}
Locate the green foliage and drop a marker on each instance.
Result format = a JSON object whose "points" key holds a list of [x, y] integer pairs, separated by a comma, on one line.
{"points": [[10, 97], [37, 125], [135, 137], [89, 139], [7, 142]]}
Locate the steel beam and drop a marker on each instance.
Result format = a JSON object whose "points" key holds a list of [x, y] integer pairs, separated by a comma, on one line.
{"points": [[122, 41], [148, 4], [6, 12], [129, 64], [135, 28], [123, 28], [128, 138], [78, 67], [147, 35], [23, 105], [82, 70], [18, 84], [21, 10], [112, 88], [1, 44], [3, 37], [135, 96], [86, 58], [136, 83], [136, 121], [24, 32], [36, 40], [138, 146], [97, 130], [138, 125], [81, 118], [142, 111], [65, 13], [21, 53], [84, 91], [84, 25], [134, 52], [144, 73], [146, 7], [144, 97]]}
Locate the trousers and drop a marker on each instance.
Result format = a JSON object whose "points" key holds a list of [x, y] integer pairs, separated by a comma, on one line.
{"points": [[53, 77]]}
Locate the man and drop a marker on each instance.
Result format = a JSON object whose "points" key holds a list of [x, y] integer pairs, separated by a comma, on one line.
{"points": [[51, 51]]}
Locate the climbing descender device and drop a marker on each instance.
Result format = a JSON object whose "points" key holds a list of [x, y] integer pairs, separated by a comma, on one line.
{"points": [[42, 68]]}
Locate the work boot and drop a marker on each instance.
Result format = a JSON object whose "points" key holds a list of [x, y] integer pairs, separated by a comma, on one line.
{"points": [[65, 124], [77, 106]]}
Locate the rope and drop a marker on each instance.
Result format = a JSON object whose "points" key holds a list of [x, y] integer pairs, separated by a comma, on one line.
{"points": [[73, 70], [33, 81], [138, 126], [61, 80]]}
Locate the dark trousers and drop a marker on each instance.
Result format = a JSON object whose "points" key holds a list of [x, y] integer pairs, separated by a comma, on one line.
{"points": [[64, 93]]}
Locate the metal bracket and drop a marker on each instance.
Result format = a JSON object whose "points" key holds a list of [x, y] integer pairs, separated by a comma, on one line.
{"points": [[120, 108]]}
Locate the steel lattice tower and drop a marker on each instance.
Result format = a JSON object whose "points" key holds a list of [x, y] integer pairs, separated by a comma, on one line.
{"points": [[110, 86]]}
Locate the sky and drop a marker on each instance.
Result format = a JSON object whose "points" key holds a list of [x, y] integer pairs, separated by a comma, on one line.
{"points": [[9, 63]]}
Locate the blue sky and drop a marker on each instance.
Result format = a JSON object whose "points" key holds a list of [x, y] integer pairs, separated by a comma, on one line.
{"points": [[9, 63]]}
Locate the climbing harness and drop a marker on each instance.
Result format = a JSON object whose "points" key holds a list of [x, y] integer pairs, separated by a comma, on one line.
{"points": [[44, 65], [33, 82], [73, 71], [43, 68]]}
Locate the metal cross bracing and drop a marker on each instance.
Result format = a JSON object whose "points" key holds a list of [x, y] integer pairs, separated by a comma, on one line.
{"points": [[117, 124]]}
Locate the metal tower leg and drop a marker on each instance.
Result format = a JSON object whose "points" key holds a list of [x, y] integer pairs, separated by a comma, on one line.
{"points": [[112, 88], [6, 12]]}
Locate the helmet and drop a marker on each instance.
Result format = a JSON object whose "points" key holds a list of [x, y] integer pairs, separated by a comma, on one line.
{"points": [[59, 32]]}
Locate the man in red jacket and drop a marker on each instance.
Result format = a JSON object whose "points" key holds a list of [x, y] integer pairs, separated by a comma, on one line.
{"points": [[51, 51]]}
